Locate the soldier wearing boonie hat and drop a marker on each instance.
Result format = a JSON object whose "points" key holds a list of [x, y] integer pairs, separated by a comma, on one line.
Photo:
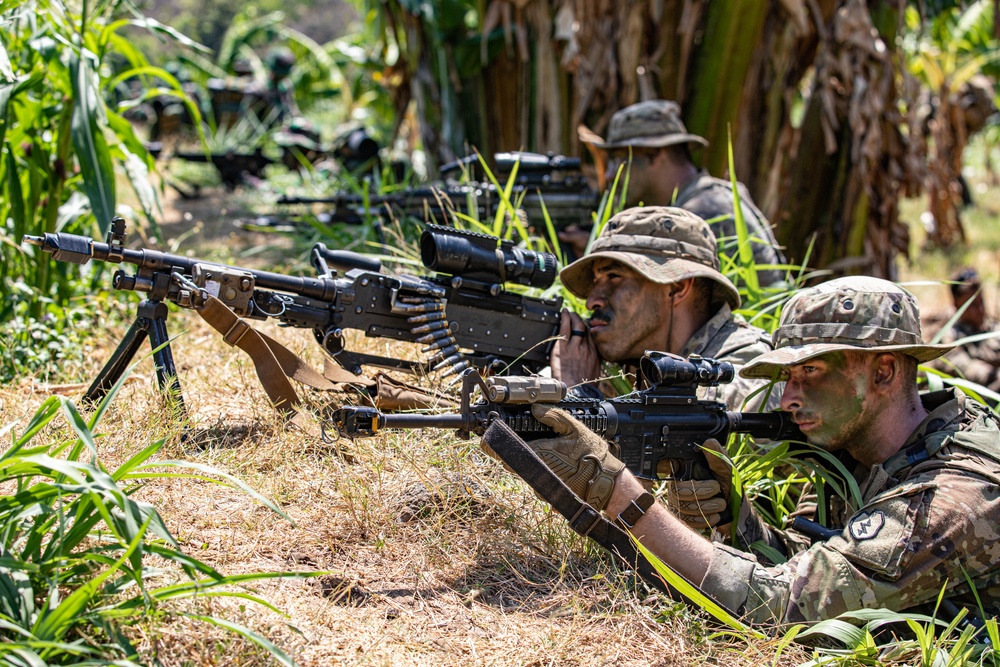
{"points": [[653, 281], [927, 517], [651, 137], [857, 313]]}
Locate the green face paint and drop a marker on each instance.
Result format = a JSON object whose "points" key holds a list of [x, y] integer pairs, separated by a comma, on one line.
{"points": [[826, 397]]}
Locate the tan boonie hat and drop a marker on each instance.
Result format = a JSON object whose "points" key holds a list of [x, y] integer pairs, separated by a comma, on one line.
{"points": [[857, 312], [653, 124], [663, 243]]}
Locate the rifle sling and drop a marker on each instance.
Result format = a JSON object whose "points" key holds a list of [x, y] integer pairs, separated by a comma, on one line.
{"points": [[582, 518], [273, 362]]}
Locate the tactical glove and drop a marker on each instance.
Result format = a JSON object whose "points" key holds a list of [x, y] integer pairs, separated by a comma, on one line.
{"points": [[700, 502], [578, 456]]}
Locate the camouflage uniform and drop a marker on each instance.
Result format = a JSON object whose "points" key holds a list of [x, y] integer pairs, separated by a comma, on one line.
{"points": [[712, 199], [977, 361], [667, 245], [929, 515]]}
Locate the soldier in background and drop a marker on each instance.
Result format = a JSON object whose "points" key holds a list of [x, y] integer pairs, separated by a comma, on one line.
{"points": [[652, 138], [280, 94], [977, 360]]}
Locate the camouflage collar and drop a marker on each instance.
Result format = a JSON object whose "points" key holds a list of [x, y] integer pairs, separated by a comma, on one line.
{"points": [[703, 336], [690, 184], [944, 410]]}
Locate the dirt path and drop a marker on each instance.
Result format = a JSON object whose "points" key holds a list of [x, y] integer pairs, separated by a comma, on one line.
{"points": [[204, 226]]}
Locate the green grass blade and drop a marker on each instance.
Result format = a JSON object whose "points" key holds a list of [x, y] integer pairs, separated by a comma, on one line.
{"points": [[245, 632], [50, 626], [691, 592], [232, 481], [91, 148]]}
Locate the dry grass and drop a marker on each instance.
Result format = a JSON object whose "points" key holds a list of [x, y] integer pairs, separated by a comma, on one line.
{"points": [[434, 554]]}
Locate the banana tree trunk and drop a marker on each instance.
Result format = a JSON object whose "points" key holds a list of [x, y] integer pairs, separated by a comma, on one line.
{"points": [[826, 165]]}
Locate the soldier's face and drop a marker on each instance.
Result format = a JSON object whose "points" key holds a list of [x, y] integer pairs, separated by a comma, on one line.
{"points": [[975, 314], [635, 178], [630, 313], [826, 397]]}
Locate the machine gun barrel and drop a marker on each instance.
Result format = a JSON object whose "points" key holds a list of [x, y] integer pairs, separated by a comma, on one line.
{"points": [[467, 319], [81, 249]]}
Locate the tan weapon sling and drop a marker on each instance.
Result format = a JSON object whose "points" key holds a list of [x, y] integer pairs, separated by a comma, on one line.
{"points": [[275, 364]]}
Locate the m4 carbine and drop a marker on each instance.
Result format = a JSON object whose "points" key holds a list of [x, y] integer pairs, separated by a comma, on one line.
{"points": [[466, 318], [667, 421]]}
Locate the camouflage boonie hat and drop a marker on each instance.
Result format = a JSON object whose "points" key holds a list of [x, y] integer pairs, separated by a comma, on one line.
{"points": [[652, 124], [664, 244], [857, 312]]}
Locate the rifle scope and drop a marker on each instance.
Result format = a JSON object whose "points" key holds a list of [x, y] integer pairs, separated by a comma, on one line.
{"points": [[473, 255], [662, 369]]}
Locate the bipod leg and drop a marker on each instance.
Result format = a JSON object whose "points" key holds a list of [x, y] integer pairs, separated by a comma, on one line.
{"points": [[150, 322], [163, 356]]}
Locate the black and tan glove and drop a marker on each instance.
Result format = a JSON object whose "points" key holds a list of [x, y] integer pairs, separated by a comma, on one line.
{"points": [[578, 456], [700, 503]]}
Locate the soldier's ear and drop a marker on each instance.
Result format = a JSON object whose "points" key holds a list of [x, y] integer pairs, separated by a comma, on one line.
{"points": [[681, 290], [886, 370]]}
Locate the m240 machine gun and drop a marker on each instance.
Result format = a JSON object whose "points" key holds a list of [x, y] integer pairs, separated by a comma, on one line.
{"points": [[464, 319], [667, 421]]}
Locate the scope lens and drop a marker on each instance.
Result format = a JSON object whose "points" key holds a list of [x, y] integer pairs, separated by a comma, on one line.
{"points": [[663, 369]]}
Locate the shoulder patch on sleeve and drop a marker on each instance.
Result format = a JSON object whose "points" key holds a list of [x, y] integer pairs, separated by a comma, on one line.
{"points": [[866, 525], [880, 536]]}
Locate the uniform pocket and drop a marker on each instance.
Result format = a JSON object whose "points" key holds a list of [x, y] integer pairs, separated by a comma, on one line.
{"points": [[883, 535]]}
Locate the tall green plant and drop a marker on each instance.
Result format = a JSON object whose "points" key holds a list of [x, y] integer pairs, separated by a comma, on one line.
{"points": [[60, 140], [74, 544]]}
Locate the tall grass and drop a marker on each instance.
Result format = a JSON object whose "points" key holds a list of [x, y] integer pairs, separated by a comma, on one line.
{"points": [[78, 553]]}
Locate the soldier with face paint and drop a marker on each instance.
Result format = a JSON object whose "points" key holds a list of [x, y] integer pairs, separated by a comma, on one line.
{"points": [[652, 282], [928, 470]]}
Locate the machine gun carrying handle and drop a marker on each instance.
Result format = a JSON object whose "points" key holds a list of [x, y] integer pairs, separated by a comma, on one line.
{"points": [[324, 260]]}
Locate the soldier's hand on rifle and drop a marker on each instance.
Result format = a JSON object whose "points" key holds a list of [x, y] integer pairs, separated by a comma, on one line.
{"points": [[574, 358], [578, 455], [700, 502]]}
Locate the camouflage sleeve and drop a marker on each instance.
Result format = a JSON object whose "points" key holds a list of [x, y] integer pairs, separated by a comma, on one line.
{"points": [[896, 553], [752, 532], [966, 360]]}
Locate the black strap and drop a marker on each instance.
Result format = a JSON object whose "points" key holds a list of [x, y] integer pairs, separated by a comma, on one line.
{"points": [[582, 518], [636, 510]]}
